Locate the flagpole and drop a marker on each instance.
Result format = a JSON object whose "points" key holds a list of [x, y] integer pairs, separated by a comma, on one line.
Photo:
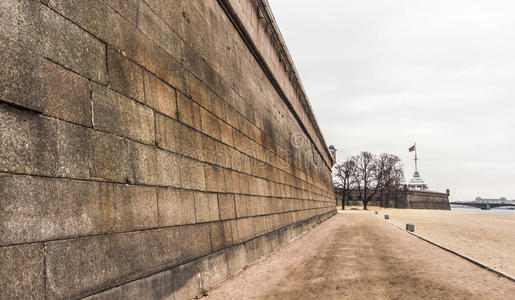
{"points": [[416, 170]]}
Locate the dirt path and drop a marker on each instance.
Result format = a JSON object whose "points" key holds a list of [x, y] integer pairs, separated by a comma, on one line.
{"points": [[356, 255]]}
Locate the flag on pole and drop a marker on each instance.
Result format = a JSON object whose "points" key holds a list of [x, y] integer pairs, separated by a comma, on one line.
{"points": [[412, 148]]}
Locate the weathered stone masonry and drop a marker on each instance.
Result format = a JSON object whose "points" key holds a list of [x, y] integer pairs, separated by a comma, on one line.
{"points": [[149, 147]]}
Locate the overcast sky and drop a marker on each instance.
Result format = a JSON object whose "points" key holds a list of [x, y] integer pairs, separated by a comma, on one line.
{"points": [[382, 75]]}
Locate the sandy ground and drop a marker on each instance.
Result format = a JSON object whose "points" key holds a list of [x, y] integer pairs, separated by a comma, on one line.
{"points": [[488, 238], [357, 255]]}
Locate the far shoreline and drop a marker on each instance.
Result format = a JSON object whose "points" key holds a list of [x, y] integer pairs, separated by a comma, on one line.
{"points": [[490, 211]]}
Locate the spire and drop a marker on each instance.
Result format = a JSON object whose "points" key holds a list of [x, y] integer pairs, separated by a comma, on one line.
{"points": [[416, 183], [416, 159]]}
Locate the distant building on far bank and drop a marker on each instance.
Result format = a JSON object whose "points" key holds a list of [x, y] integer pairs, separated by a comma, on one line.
{"points": [[484, 200]]}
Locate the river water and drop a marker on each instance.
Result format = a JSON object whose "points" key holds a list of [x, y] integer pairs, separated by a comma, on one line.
{"points": [[492, 211]]}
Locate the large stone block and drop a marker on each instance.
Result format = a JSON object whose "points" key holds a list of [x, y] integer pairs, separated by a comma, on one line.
{"points": [[230, 185], [144, 164], [213, 269], [20, 80], [257, 248], [221, 235], [107, 260], [169, 168], [9, 13], [242, 229], [28, 142], [70, 46], [188, 141], [240, 202], [125, 77], [185, 280], [262, 224], [195, 241], [196, 89], [169, 12], [262, 187], [110, 161], [241, 141], [165, 132], [126, 8], [252, 203], [224, 155], [134, 207], [69, 100], [39, 209], [161, 249], [197, 16], [193, 62], [158, 31], [122, 116], [188, 111], [217, 107], [236, 259], [95, 17], [22, 272], [176, 207], [231, 116], [152, 57], [75, 150], [215, 180], [244, 164], [226, 132], [161, 285], [275, 238], [115, 293], [208, 151], [227, 207], [210, 124], [192, 174], [139, 289], [160, 96], [286, 235], [243, 182], [206, 207]]}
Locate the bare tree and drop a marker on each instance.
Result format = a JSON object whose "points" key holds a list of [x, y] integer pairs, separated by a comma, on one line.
{"points": [[365, 176], [370, 176], [343, 178], [389, 175]]}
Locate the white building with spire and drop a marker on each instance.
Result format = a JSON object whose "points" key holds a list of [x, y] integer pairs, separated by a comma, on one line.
{"points": [[416, 183]]}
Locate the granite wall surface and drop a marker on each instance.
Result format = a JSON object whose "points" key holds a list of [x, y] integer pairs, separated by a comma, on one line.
{"points": [[149, 148]]}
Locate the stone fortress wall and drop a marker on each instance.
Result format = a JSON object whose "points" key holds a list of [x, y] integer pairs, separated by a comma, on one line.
{"points": [[400, 199], [149, 148], [426, 200]]}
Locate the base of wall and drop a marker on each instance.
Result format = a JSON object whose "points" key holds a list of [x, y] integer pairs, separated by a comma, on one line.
{"points": [[194, 278]]}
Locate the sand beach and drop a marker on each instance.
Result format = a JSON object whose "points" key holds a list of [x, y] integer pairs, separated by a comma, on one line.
{"points": [[484, 236]]}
